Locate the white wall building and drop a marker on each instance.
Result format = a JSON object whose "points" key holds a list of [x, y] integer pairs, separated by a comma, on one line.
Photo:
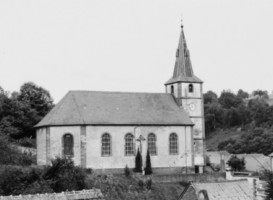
{"points": [[104, 130]]}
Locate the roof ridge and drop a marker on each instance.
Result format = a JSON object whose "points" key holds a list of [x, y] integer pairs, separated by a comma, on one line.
{"points": [[226, 181], [82, 119], [117, 92], [54, 110]]}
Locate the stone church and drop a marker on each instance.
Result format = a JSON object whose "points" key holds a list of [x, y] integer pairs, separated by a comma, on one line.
{"points": [[104, 130]]}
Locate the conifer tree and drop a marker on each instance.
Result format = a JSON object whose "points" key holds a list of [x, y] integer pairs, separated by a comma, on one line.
{"points": [[148, 168], [138, 162]]}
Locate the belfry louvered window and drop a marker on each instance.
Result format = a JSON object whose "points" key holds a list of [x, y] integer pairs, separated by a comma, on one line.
{"points": [[152, 144], [129, 145], [191, 88], [105, 145], [68, 145], [173, 144], [172, 89]]}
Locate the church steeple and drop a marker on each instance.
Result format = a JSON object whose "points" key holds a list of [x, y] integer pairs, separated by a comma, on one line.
{"points": [[187, 90], [183, 71]]}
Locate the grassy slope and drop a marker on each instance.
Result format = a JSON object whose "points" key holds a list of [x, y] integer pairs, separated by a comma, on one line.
{"points": [[120, 187], [213, 139]]}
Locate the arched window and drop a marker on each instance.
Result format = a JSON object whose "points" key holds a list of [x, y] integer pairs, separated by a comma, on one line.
{"points": [[68, 144], [172, 89], [152, 144], [129, 145], [105, 145], [191, 88], [173, 144]]}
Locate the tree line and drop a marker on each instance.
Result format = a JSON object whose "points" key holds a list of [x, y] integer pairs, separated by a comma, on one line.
{"points": [[230, 109], [251, 113], [21, 111]]}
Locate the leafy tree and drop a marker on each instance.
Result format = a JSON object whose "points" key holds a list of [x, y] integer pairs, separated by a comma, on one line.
{"points": [[21, 111], [236, 163], [148, 168], [210, 97], [260, 93], [258, 111], [37, 97], [228, 100], [242, 94], [138, 162], [213, 112]]}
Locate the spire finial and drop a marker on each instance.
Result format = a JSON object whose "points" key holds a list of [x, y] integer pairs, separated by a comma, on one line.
{"points": [[182, 22]]}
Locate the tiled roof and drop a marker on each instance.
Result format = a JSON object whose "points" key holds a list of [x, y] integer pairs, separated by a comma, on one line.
{"points": [[73, 195], [189, 193], [229, 190], [183, 69], [116, 108]]}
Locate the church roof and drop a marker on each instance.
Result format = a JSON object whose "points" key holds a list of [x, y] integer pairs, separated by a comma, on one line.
{"points": [[116, 108], [183, 69]]}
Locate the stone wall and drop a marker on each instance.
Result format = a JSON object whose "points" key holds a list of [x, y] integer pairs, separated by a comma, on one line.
{"points": [[211, 177]]}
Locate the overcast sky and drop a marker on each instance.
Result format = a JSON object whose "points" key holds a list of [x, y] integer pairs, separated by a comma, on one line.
{"points": [[108, 45]]}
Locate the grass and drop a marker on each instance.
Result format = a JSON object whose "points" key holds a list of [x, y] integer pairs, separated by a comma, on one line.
{"points": [[120, 187]]}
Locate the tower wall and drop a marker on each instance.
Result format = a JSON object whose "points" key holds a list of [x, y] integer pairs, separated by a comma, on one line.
{"points": [[192, 103]]}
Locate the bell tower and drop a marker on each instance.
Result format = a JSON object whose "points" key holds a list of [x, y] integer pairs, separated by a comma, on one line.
{"points": [[187, 90]]}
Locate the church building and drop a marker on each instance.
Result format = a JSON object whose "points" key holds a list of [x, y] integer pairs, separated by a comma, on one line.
{"points": [[104, 130]]}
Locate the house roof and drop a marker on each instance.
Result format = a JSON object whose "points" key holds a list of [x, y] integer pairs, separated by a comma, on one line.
{"points": [[80, 194], [228, 190], [183, 71], [240, 190], [116, 108]]}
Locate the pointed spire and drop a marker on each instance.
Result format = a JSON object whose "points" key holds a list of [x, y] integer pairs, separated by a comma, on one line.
{"points": [[183, 69]]}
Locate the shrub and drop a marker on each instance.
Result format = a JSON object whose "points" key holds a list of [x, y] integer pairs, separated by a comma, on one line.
{"points": [[16, 181], [148, 168], [140, 183], [88, 170], [236, 163], [138, 162], [127, 171], [267, 175], [27, 142], [148, 183], [40, 187], [63, 175], [207, 161]]}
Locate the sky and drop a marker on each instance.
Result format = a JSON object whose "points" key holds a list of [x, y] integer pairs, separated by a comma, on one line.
{"points": [[130, 45]]}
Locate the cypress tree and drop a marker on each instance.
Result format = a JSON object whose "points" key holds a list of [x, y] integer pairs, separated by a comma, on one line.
{"points": [[138, 162], [148, 168]]}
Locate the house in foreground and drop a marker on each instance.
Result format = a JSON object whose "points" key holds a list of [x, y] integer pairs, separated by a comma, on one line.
{"points": [[228, 190]]}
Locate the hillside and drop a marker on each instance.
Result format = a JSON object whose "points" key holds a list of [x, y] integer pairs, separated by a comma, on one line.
{"points": [[221, 135], [238, 140]]}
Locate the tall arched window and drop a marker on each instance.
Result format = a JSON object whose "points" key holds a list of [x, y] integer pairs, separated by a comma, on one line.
{"points": [[191, 88], [152, 144], [105, 145], [172, 89], [173, 144], [129, 145], [68, 145]]}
